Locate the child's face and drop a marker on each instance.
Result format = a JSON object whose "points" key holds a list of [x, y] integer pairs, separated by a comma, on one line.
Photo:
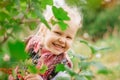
{"points": [[58, 41]]}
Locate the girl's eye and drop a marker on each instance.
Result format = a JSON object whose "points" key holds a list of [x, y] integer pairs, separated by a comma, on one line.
{"points": [[68, 37], [58, 33]]}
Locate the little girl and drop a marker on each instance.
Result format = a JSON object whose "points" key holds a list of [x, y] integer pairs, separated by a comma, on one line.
{"points": [[49, 47]]}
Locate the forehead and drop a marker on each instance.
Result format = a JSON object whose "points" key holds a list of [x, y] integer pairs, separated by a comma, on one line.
{"points": [[70, 29]]}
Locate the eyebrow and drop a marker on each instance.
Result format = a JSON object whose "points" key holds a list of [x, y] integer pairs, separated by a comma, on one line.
{"points": [[59, 30]]}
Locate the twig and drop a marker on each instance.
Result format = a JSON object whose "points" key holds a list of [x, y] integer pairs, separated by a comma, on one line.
{"points": [[4, 40], [29, 21], [6, 37]]}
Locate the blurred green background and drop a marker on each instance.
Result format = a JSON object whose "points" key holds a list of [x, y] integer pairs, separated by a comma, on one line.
{"points": [[101, 27]]}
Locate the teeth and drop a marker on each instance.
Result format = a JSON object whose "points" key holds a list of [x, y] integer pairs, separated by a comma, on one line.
{"points": [[58, 45]]}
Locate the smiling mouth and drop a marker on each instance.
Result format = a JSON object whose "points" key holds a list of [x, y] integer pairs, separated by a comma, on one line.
{"points": [[58, 46]]}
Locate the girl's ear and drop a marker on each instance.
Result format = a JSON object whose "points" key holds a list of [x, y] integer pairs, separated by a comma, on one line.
{"points": [[42, 30]]}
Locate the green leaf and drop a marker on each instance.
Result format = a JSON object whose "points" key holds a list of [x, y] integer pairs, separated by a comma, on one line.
{"points": [[83, 41], [78, 77], [71, 72], [17, 51], [92, 48], [14, 73], [62, 25], [4, 14], [53, 22], [81, 57], [87, 73], [98, 65], [104, 71], [60, 14], [32, 26], [46, 2], [101, 68], [84, 65], [62, 78], [2, 31], [32, 69], [103, 48], [44, 68], [60, 67]]}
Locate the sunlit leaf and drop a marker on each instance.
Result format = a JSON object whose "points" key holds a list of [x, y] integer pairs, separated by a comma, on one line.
{"points": [[104, 71], [77, 77], [60, 14], [63, 78], [43, 69], [79, 56], [32, 69], [70, 71], [44, 3], [94, 49], [84, 65], [83, 41], [101, 68], [53, 22], [60, 67], [98, 65], [103, 48], [62, 25], [87, 73]]}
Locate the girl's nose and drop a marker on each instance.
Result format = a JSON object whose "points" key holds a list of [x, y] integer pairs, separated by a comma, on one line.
{"points": [[61, 40]]}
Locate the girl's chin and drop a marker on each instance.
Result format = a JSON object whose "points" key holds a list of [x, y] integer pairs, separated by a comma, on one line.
{"points": [[56, 52]]}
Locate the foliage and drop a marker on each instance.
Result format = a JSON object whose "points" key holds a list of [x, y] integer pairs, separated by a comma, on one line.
{"points": [[103, 22], [84, 64], [60, 20], [97, 20], [19, 14], [15, 17]]}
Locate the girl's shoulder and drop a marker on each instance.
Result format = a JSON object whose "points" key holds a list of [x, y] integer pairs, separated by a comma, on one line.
{"points": [[33, 42]]}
